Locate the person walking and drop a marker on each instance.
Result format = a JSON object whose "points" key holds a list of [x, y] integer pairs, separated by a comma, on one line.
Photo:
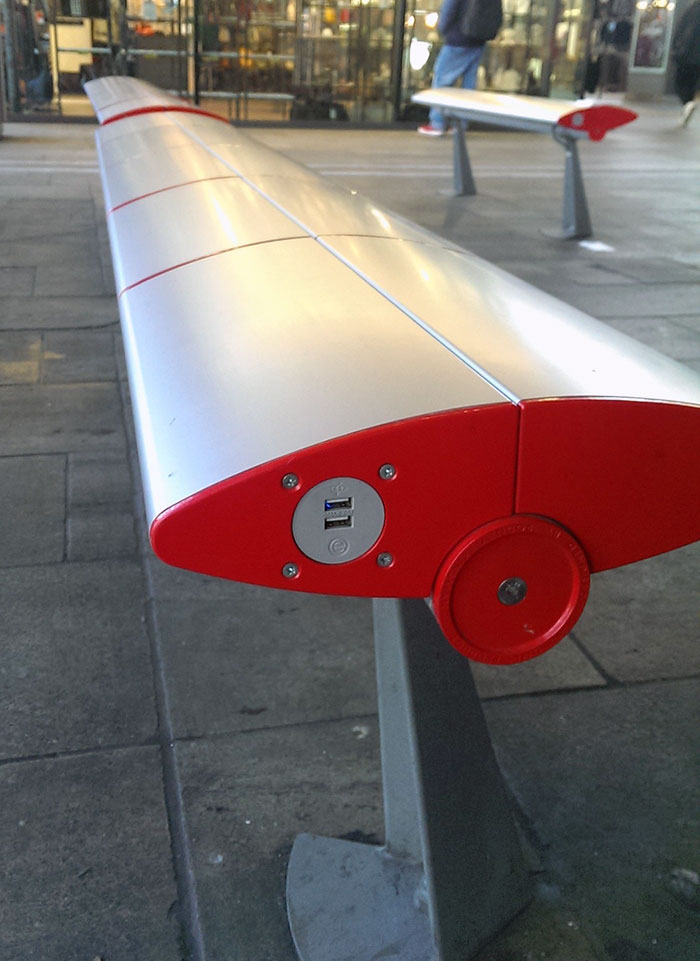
{"points": [[465, 26], [685, 50]]}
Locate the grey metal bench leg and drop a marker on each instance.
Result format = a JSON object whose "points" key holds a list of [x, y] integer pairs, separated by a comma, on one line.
{"points": [[452, 872], [576, 221], [463, 178]]}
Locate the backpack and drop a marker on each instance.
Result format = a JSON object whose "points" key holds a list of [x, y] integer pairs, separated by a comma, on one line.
{"points": [[481, 20]]}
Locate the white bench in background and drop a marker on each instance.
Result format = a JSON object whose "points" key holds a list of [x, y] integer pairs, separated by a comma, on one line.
{"points": [[567, 121]]}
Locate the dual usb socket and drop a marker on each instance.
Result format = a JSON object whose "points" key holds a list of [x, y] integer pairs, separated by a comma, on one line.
{"points": [[337, 513]]}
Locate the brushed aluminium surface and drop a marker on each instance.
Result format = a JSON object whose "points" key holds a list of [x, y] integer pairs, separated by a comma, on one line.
{"points": [[540, 112], [199, 219], [110, 111], [125, 180], [242, 358], [147, 140], [109, 90], [326, 209], [523, 339]]}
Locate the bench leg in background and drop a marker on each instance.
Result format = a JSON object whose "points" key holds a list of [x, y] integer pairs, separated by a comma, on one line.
{"points": [[451, 873], [462, 173], [576, 221]]}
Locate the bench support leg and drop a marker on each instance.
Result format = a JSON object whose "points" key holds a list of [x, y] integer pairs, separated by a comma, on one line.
{"points": [[576, 221], [462, 170], [451, 873]]}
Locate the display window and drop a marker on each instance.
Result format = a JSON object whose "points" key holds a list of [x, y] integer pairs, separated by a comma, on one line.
{"points": [[321, 60]]}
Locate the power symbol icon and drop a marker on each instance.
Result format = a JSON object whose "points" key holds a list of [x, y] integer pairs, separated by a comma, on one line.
{"points": [[338, 546]]}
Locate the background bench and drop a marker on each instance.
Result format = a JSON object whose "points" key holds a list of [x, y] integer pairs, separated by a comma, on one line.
{"points": [[565, 120]]}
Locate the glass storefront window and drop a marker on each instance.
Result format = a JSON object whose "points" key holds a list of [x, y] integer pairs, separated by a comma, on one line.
{"points": [[299, 60]]}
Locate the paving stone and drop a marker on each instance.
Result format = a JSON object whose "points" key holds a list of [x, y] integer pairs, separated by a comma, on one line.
{"points": [[165, 583], [83, 279], [99, 533], [32, 531], [75, 669], [563, 667], [20, 357], [608, 780], [48, 419], [658, 270], [97, 477], [28, 217], [635, 301], [17, 281], [671, 338], [642, 621], [86, 860], [270, 658], [246, 798], [55, 312], [75, 356], [30, 253]]}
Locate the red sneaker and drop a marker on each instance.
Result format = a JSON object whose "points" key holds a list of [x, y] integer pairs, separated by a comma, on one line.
{"points": [[429, 131]]}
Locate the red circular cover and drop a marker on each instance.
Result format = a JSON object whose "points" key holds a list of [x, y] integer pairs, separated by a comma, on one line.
{"points": [[466, 600]]}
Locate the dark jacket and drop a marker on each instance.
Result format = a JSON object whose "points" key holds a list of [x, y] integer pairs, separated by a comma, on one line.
{"points": [[448, 24], [686, 40]]}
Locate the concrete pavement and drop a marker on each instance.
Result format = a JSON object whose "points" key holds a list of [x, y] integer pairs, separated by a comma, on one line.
{"points": [[164, 736]]}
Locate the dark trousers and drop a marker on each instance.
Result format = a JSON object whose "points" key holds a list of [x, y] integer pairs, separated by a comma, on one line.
{"points": [[687, 77]]}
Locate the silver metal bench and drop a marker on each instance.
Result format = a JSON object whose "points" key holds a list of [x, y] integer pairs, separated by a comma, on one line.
{"points": [[329, 399], [567, 121]]}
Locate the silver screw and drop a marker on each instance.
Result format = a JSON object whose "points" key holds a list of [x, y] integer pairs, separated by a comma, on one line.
{"points": [[387, 471], [290, 481], [290, 570], [512, 591], [385, 560]]}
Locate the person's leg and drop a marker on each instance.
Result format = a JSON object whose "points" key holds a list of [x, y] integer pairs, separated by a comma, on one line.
{"points": [[472, 59], [450, 65], [686, 77]]}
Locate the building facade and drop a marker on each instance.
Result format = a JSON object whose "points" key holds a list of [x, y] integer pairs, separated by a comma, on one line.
{"points": [[307, 60]]}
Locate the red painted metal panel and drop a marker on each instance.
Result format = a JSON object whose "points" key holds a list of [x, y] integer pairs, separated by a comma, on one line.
{"points": [[598, 120], [622, 476], [454, 473]]}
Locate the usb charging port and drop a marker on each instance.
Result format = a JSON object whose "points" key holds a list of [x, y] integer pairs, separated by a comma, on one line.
{"points": [[340, 504], [330, 523]]}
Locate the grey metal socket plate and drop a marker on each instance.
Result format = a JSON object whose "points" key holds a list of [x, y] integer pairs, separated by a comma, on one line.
{"points": [[338, 520]]}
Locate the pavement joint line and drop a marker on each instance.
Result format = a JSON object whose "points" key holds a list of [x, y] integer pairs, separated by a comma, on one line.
{"points": [[66, 506], [80, 752], [182, 861]]}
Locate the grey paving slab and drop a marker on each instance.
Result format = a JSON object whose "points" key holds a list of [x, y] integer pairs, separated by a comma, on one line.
{"points": [[671, 338], [75, 356], [20, 357], [666, 300], [166, 583], [48, 419], [102, 532], [86, 860], [27, 217], [29, 253], [98, 478], [642, 621], [246, 798], [563, 667], [608, 779], [17, 281], [32, 524], [546, 931], [82, 279], [266, 659], [76, 669], [51, 312], [659, 270]]}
